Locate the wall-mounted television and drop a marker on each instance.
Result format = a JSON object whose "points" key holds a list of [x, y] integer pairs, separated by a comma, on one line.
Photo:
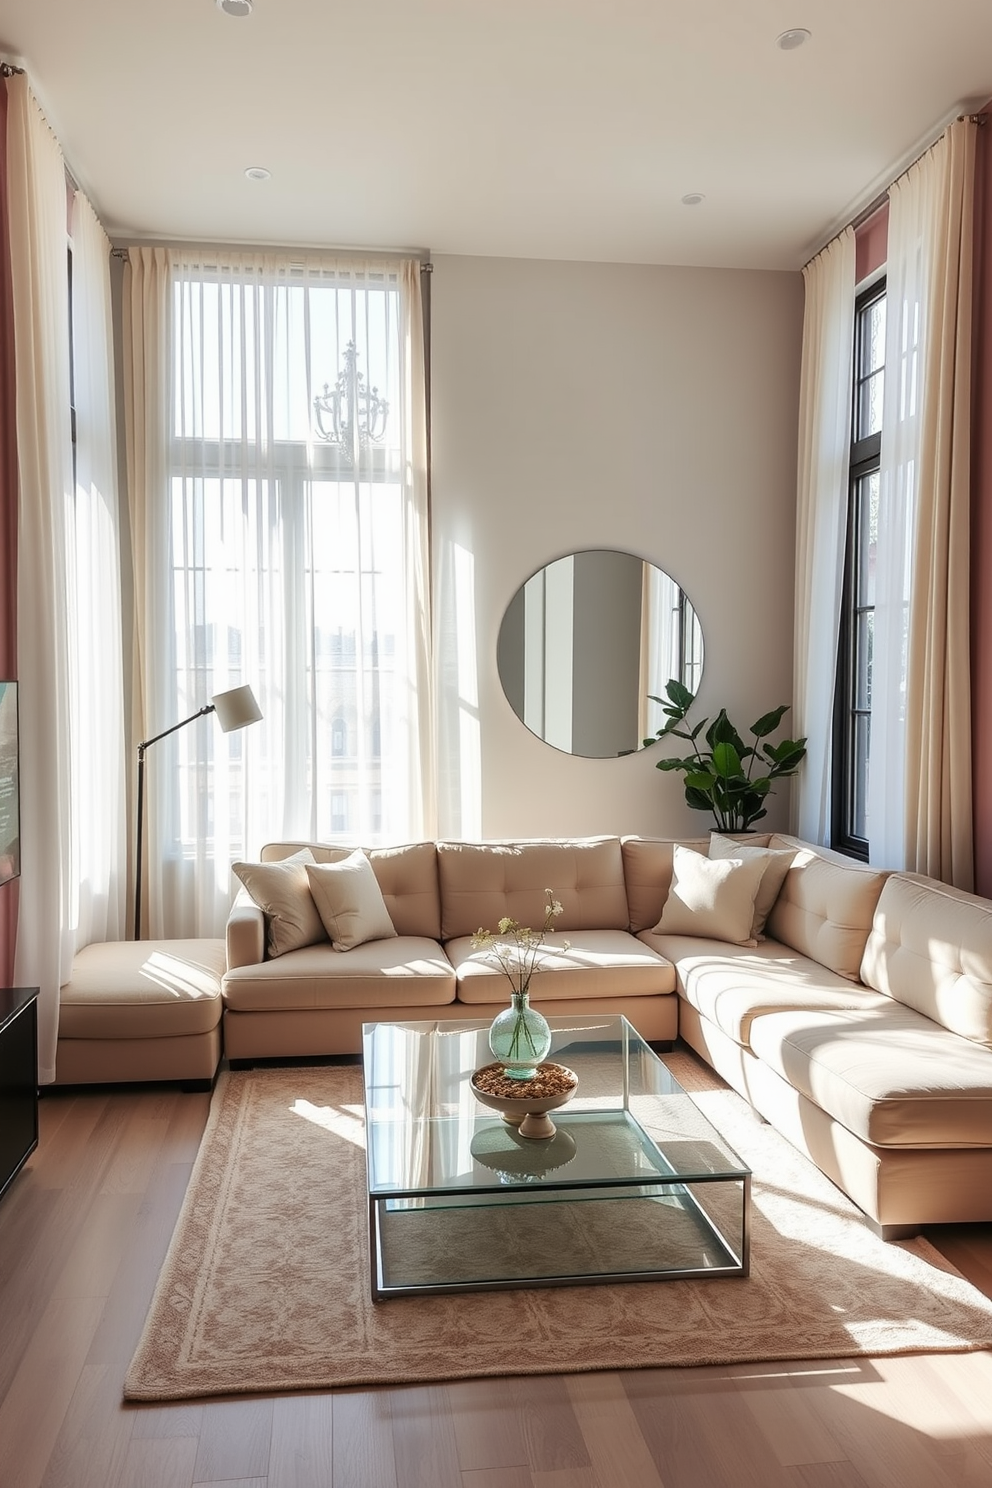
{"points": [[10, 795]]}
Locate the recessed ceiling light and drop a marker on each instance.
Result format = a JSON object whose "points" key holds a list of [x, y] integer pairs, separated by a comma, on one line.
{"points": [[789, 40], [235, 7], [257, 173], [693, 198]]}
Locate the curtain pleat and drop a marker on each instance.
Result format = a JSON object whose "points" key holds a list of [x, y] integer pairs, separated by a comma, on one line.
{"points": [[37, 199], [939, 827], [821, 522], [919, 803], [98, 876]]}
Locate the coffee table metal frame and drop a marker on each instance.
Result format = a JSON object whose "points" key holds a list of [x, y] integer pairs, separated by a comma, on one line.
{"points": [[416, 1076]]}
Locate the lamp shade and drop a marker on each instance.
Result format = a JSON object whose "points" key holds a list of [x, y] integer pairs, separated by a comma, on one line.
{"points": [[236, 709]]}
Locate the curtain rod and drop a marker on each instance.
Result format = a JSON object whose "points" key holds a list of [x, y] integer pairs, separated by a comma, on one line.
{"points": [[426, 267], [8, 69], [882, 197]]}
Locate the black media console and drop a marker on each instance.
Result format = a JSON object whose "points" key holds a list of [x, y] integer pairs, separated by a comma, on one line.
{"points": [[18, 1080]]}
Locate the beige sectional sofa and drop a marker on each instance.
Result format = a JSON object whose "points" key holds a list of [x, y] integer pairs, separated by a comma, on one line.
{"points": [[314, 999], [860, 1026]]}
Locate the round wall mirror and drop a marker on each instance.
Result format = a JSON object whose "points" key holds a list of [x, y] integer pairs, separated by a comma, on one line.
{"points": [[585, 640]]}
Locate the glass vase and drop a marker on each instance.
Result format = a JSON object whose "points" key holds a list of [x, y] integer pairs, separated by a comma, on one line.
{"points": [[519, 1037]]}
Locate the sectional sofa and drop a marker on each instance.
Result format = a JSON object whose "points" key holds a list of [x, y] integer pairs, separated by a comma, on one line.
{"points": [[851, 1007], [859, 1024]]}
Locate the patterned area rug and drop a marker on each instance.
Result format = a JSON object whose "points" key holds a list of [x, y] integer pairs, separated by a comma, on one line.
{"points": [[266, 1283]]}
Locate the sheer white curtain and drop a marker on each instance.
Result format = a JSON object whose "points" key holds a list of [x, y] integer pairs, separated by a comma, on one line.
{"points": [[281, 544], [824, 454], [920, 684], [98, 880], [38, 252]]}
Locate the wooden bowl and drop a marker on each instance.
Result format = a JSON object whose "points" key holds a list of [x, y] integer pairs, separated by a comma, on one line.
{"points": [[529, 1114]]}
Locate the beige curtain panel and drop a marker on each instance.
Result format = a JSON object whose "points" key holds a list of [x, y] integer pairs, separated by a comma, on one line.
{"points": [[939, 829]]}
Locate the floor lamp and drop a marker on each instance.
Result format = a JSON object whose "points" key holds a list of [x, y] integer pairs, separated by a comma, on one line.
{"points": [[235, 710]]}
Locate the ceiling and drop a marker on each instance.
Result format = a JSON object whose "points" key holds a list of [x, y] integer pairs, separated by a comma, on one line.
{"points": [[565, 129]]}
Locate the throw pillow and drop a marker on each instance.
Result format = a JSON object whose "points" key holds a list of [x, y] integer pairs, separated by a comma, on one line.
{"points": [[711, 897], [349, 901], [777, 863], [282, 893]]}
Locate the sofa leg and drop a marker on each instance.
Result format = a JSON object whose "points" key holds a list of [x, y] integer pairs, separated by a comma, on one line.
{"points": [[894, 1232], [236, 1064], [197, 1087]]}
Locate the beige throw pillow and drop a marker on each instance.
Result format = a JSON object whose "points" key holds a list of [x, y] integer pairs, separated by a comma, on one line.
{"points": [[777, 863], [282, 893], [349, 901], [710, 897]]}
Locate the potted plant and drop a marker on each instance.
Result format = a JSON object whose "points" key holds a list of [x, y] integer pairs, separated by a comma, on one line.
{"points": [[730, 778]]}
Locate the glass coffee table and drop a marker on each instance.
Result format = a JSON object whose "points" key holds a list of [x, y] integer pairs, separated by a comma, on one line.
{"points": [[635, 1185]]}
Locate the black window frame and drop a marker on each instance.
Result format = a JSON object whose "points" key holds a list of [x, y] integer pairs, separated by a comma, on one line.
{"points": [[865, 459]]}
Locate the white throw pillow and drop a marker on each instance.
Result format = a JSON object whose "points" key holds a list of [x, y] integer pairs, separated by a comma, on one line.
{"points": [[777, 862], [349, 901], [282, 892], [711, 897]]}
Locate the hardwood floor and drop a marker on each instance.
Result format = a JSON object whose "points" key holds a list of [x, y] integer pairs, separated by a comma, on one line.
{"points": [[84, 1229]]}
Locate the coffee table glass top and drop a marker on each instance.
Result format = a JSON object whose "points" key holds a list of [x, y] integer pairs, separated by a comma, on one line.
{"points": [[630, 1133]]}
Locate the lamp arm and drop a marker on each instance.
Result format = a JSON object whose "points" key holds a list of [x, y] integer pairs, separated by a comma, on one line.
{"points": [[208, 708]]}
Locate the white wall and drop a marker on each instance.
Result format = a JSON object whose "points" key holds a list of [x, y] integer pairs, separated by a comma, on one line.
{"points": [[594, 405]]}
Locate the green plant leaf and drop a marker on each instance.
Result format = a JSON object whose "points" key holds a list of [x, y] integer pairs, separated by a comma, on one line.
{"points": [[698, 800], [787, 755], [680, 695], [722, 731], [726, 760], [769, 722]]}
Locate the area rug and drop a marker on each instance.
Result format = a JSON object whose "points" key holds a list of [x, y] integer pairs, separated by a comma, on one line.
{"points": [[266, 1283]]}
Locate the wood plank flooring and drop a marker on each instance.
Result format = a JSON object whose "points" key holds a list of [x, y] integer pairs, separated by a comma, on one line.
{"points": [[84, 1229]]}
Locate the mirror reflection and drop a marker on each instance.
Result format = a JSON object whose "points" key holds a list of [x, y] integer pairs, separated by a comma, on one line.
{"points": [[585, 640]]}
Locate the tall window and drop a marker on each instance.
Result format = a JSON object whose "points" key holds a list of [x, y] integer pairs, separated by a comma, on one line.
{"points": [[852, 716], [280, 535], [287, 526]]}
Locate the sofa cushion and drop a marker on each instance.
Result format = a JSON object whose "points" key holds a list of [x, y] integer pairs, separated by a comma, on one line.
{"points": [[887, 1074], [647, 872], [407, 876], [127, 989], [711, 897], [776, 865], [349, 901], [405, 971], [930, 947], [282, 893], [597, 963], [825, 906], [481, 882], [731, 985]]}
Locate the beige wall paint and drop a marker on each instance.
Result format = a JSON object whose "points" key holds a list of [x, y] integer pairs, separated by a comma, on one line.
{"points": [[588, 405]]}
